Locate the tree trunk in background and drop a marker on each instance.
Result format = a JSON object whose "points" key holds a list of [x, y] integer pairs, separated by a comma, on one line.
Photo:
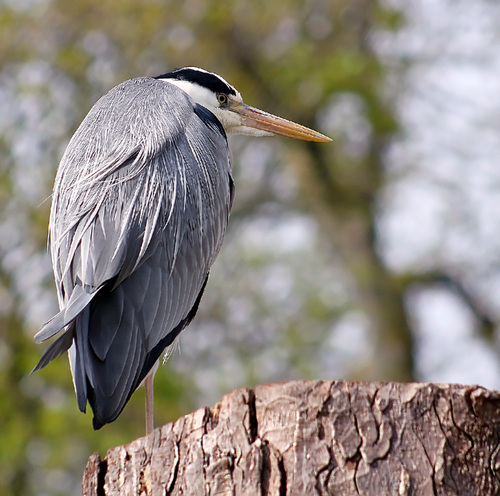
{"points": [[347, 216], [317, 437]]}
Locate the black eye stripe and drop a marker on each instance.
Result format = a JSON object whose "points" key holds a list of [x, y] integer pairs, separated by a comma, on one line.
{"points": [[205, 79]]}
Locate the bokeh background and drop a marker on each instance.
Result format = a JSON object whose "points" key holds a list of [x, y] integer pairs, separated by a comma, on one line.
{"points": [[375, 257]]}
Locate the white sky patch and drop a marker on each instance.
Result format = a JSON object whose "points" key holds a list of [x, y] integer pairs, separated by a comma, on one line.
{"points": [[447, 348]]}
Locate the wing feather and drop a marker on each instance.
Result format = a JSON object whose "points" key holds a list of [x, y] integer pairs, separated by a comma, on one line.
{"points": [[78, 300]]}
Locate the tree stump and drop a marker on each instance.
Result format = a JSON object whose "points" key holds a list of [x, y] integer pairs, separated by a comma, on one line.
{"points": [[317, 438]]}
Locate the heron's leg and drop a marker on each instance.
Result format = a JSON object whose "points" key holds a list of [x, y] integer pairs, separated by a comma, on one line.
{"points": [[149, 386]]}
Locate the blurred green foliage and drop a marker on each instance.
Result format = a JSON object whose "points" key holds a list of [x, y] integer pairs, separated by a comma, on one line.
{"points": [[290, 57]]}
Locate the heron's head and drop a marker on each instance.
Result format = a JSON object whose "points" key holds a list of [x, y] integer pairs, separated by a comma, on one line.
{"points": [[225, 102]]}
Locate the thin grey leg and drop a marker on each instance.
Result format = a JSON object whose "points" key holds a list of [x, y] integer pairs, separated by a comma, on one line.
{"points": [[149, 385]]}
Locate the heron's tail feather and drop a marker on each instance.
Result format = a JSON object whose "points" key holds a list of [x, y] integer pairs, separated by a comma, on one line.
{"points": [[57, 348], [78, 301]]}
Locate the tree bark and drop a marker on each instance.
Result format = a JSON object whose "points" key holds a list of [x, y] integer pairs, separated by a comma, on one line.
{"points": [[317, 438]]}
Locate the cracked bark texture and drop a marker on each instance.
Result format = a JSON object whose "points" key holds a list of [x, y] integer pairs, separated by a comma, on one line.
{"points": [[317, 438]]}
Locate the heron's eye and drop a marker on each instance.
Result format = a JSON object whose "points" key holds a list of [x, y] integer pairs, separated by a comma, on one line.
{"points": [[221, 98]]}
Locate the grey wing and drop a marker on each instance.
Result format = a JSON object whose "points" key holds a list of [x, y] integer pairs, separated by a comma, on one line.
{"points": [[133, 235]]}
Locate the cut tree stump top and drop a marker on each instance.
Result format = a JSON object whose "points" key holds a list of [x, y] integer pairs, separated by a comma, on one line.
{"points": [[317, 438]]}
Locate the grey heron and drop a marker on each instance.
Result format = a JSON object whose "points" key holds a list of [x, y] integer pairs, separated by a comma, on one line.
{"points": [[140, 205]]}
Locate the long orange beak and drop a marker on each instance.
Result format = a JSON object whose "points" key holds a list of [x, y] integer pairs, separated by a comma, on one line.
{"points": [[258, 119]]}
